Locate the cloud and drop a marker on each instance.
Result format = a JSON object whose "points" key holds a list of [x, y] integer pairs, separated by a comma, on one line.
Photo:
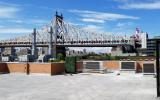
{"points": [[100, 17], [28, 21], [142, 5], [1, 26], [120, 24], [124, 24], [17, 21], [8, 4], [15, 30], [134, 1], [75, 24], [123, 28], [8, 12], [38, 21], [93, 28], [92, 20]]}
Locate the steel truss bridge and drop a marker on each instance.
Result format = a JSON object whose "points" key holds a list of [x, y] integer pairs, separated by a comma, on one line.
{"points": [[63, 34]]}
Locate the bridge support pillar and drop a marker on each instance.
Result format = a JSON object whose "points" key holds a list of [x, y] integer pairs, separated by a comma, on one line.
{"points": [[61, 50], [50, 49], [34, 48], [43, 51]]}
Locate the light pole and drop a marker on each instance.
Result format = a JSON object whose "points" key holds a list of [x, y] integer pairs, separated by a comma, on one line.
{"points": [[157, 67]]}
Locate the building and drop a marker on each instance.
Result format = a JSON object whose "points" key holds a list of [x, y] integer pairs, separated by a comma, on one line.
{"points": [[151, 47], [138, 45], [144, 46], [76, 52]]}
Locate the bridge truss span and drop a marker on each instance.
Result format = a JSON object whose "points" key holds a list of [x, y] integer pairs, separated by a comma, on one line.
{"points": [[59, 34]]}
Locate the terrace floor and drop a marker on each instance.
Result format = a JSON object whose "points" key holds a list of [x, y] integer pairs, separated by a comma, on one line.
{"points": [[77, 87]]}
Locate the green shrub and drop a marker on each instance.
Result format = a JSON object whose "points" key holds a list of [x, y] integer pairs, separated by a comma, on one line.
{"points": [[78, 58], [54, 60], [60, 56]]}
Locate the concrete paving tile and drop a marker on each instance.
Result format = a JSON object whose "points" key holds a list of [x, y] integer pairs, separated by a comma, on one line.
{"points": [[77, 87]]}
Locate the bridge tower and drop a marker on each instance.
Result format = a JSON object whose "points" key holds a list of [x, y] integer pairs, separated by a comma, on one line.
{"points": [[59, 36]]}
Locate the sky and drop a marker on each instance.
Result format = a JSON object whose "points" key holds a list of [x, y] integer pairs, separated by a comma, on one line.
{"points": [[19, 17]]}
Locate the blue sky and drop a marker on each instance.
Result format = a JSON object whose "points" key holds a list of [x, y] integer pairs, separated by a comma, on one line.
{"points": [[19, 17]]}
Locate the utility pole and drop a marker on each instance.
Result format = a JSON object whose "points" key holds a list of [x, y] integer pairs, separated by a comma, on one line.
{"points": [[157, 67]]}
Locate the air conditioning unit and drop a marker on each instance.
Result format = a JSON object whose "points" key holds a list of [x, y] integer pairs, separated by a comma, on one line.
{"points": [[128, 66], [93, 66], [149, 68]]}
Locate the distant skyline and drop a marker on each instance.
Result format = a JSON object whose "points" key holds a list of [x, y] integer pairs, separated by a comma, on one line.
{"points": [[19, 17]]}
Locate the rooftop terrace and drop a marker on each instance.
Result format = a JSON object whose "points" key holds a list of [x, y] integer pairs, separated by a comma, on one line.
{"points": [[78, 87]]}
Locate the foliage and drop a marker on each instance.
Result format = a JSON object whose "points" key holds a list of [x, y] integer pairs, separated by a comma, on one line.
{"points": [[156, 53], [78, 58], [101, 57], [60, 56], [54, 60]]}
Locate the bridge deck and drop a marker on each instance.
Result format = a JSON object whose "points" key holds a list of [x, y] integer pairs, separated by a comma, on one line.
{"points": [[69, 44]]}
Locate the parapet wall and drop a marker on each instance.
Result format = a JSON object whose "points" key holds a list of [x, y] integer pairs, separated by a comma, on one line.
{"points": [[112, 65], [115, 65], [59, 68], [29, 68]]}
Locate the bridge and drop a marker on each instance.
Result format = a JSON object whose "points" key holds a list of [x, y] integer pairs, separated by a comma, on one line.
{"points": [[59, 33], [68, 44]]}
